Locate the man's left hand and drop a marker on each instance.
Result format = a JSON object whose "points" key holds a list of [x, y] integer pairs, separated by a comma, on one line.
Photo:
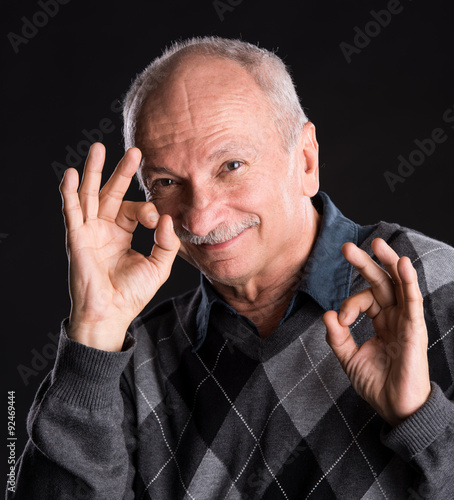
{"points": [[390, 371]]}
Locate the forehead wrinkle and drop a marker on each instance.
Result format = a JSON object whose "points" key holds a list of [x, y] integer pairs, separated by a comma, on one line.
{"points": [[229, 148], [187, 137], [157, 136], [156, 158], [228, 112], [186, 106], [171, 139]]}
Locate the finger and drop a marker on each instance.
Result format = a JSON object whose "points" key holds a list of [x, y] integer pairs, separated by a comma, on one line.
{"points": [[91, 181], [363, 301], [339, 339], [411, 293], [389, 258], [165, 248], [113, 192], [378, 278], [132, 212], [72, 212]]}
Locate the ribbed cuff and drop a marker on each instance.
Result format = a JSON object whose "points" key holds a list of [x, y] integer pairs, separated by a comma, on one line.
{"points": [[88, 377], [422, 428]]}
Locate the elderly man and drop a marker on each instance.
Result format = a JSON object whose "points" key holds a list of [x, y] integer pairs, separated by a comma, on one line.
{"points": [[231, 391]]}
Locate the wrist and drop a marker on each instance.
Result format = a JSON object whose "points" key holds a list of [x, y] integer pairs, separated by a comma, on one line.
{"points": [[410, 409], [102, 335]]}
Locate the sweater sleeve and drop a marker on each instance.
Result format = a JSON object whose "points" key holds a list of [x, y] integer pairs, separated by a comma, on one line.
{"points": [[76, 447], [426, 440]]}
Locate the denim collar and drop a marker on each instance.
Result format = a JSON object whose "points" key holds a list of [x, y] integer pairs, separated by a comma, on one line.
{"points": [[325, 277]]}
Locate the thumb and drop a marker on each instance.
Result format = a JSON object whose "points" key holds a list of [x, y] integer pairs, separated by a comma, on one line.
{"points": [[339, 338], [165, 248]]}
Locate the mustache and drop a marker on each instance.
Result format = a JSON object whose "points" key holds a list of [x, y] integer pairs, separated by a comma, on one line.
{"points": [[222, 233]]}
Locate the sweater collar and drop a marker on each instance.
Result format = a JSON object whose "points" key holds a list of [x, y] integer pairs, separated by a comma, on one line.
{"points": [[325, 277]]}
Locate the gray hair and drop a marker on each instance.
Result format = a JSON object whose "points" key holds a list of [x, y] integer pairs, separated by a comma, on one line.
{"points": [[267, 68]]}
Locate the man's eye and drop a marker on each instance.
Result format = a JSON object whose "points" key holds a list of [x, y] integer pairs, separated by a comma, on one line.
{"points": [[159, 187], [162, 183], [233, 165]]}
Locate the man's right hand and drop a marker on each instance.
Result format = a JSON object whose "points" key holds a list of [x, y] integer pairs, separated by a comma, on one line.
{"points": [[109, 282]]}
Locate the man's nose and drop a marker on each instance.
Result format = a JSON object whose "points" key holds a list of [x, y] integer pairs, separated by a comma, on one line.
{"points": [[200, 210]]}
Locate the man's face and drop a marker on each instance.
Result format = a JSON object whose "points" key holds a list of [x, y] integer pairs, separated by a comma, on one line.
{"points": [[213, 160]]}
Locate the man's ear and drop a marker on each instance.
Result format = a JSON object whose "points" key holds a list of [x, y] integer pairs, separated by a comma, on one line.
{"points": [[307, 160]]}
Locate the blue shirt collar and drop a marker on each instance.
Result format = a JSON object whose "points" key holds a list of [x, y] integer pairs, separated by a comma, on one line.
{"points": [[325, 277]]}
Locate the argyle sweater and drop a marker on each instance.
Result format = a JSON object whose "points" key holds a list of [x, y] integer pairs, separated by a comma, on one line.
{"points": [[242, 417]]}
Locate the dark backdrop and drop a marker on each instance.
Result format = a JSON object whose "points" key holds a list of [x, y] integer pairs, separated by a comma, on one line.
{"points": [[372, 88]]}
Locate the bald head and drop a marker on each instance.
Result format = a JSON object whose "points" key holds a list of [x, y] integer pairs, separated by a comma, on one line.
{"points": [[182, 96], [266, 70]]}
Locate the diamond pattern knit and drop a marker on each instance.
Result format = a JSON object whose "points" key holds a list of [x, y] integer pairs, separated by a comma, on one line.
{"points": [[242, 417]]}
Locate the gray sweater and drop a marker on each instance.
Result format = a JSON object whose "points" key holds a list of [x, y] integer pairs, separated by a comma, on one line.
{"points": [[242, 419]]}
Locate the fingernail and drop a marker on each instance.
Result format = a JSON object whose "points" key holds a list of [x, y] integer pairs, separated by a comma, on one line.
{"points": [[154, 216], [342, 316]]}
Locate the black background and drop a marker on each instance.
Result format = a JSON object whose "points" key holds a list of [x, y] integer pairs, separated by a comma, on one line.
{"points": [[71, 74]]}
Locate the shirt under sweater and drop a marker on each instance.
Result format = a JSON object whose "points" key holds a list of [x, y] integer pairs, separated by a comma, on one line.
{"points": [[198, 406]]}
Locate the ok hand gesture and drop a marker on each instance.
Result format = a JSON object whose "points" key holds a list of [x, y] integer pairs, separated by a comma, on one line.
{"points": [[390, 371], [109, 282]]}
